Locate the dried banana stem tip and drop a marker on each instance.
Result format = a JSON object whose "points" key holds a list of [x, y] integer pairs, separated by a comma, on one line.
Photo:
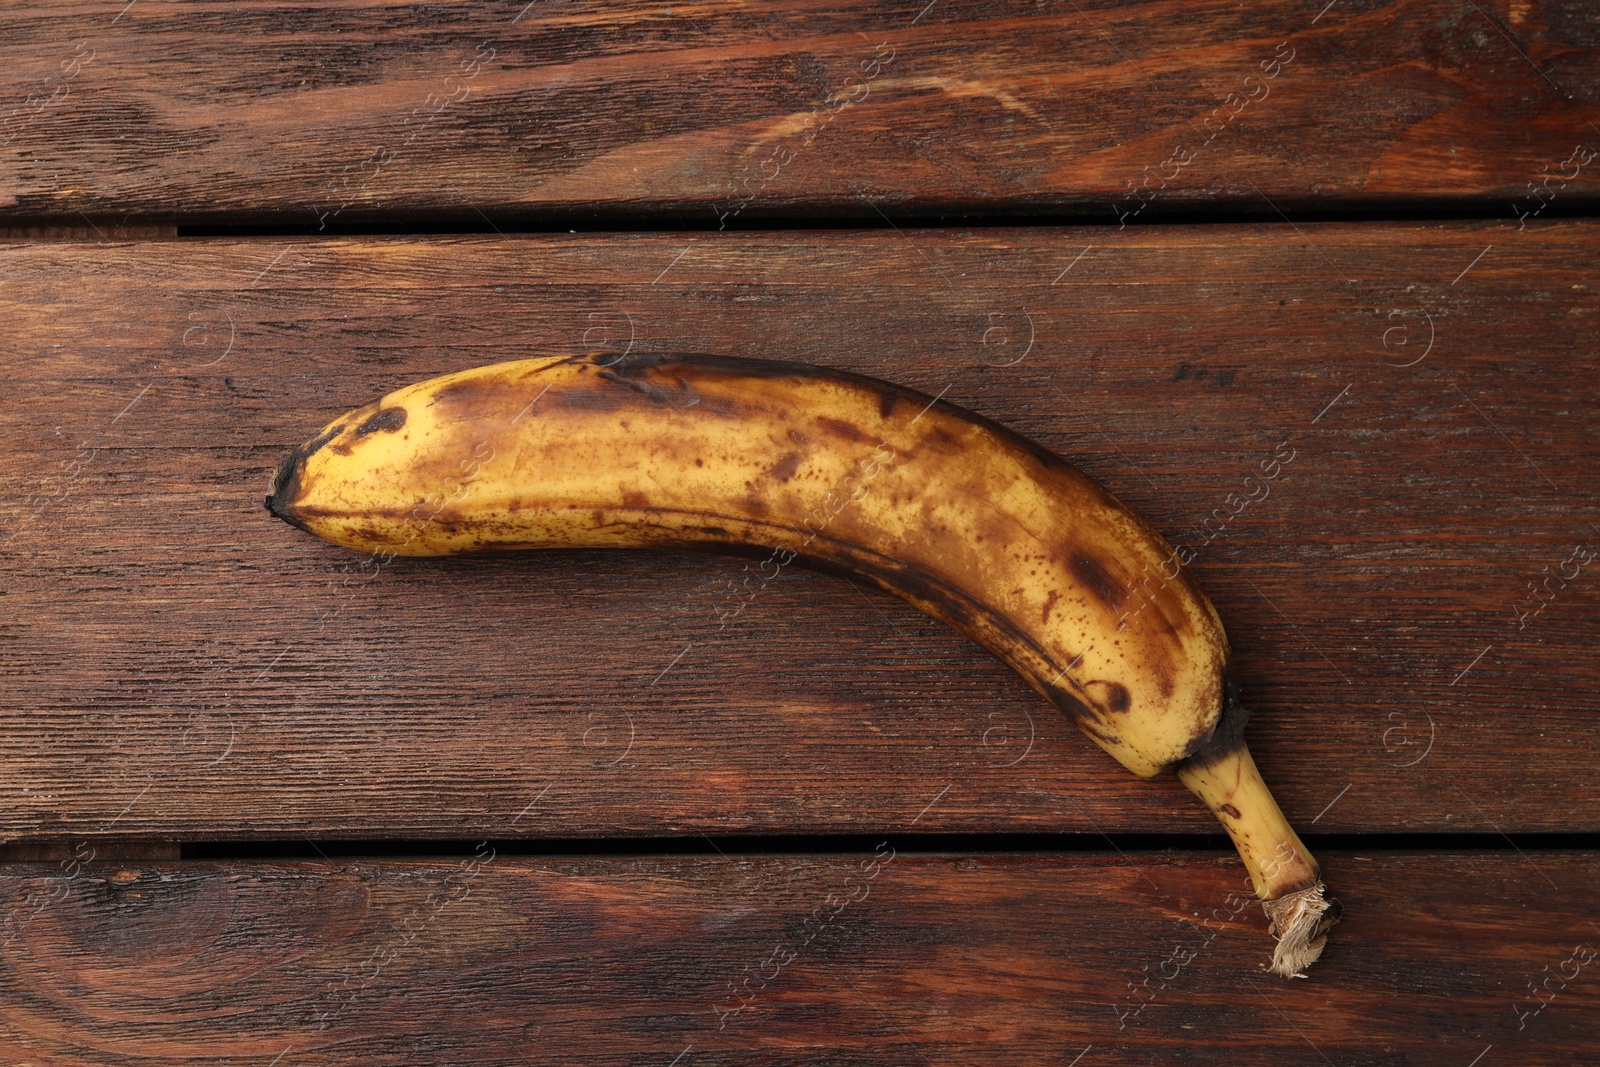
{"points": [[1300, 921]]}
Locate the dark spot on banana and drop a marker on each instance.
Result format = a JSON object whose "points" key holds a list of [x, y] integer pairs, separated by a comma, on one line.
{"points": [[842, 428], [634, 499], [486, 396], [1218, 742], [627, 361], [1230, 811], [1115, 695], [639, 385], [787, 464], [321, 439], [1050, 602], [651, 377], [386, 421], [1089, 571], [886, 404], [799, 438]]}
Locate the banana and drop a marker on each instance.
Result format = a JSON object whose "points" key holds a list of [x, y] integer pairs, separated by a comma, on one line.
{"points": [[972, 523]]}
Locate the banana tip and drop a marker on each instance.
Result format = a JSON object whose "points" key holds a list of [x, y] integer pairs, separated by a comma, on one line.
{"points": [[285, 487], [1300, 921]]}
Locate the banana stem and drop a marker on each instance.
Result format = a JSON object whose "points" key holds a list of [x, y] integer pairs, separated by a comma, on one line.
{"points": [[1285, 875]]}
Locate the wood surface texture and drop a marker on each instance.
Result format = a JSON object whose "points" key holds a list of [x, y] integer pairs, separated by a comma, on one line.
{"points": [[330, 113], [877, 957], [178, 663], [240, 768]]}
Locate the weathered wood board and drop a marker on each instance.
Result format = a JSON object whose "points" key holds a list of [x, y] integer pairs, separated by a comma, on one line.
{"points": [[1408, 602], [327, 114], [873, 958]]}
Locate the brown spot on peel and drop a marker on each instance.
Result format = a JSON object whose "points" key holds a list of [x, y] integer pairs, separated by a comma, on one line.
{"points": [[787, 464], [842, 428], [1115, 694], [1094, 577], [654, 392], [321, 439], [473, 397], [1044, 616], [1230, 811], [386, 421]]}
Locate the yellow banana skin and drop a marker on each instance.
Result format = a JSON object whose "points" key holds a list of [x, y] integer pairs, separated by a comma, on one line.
{"points": [[961, 517]]}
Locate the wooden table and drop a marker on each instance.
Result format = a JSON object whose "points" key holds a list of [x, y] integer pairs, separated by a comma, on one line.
{"points": [[261, 807]]}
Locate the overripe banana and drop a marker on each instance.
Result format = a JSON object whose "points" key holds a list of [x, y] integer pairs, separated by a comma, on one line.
{"points": [[968, 521]]}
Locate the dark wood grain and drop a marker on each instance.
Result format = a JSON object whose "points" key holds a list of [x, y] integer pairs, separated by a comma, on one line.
{"points": [[877, 958], [319, 113], [179, 664]]}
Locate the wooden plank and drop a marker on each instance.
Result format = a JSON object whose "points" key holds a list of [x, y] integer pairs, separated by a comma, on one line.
{"points": [[180, 665], [880, 958], [316, 114]]}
